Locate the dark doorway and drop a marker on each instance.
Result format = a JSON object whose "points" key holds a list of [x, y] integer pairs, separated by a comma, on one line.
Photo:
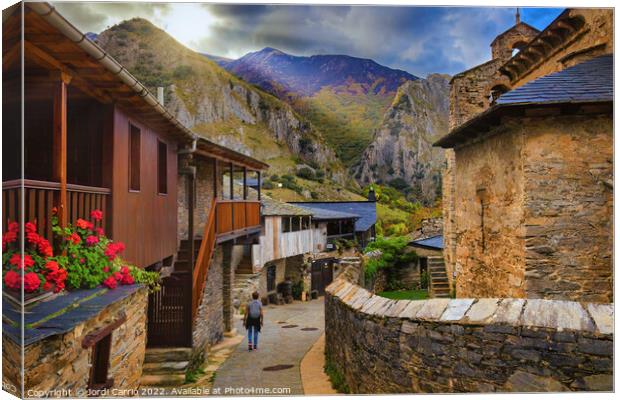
{"points": [[170, 313], [322, 274]]}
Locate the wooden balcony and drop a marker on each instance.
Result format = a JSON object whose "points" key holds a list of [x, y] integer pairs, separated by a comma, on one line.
{"points": [[236, 218], [39, 202]]}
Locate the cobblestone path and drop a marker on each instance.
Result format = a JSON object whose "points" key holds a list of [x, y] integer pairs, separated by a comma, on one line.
{"points": [[243, 374]]}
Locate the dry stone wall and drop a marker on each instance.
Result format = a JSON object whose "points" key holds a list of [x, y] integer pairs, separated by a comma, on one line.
{"points": [[58, 366], [466, 345]]}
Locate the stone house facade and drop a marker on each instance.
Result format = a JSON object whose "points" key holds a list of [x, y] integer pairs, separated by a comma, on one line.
{"points": [[527, 192]]}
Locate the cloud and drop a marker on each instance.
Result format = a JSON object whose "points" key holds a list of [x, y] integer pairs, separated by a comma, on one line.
{"points": [[420, 40]]}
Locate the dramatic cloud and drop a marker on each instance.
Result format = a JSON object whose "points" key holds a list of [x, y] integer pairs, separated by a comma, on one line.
{"points": [[420, 40]]}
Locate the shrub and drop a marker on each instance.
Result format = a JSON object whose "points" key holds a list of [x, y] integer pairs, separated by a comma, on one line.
{"points": [[182, 72], [268, 185], [314, 195], [393, 253], [305, 173], [424, 280]]}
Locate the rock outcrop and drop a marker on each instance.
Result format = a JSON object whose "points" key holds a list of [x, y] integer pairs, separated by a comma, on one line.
{"points": [[402, 146]]}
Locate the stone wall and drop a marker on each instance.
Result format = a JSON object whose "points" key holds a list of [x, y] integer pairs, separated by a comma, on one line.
{"points": [[466, 345], [568, 214], [490, 246], [449, 215], [204, 196], [515, 37], [60, 363], [209, 321], [470, 91]]}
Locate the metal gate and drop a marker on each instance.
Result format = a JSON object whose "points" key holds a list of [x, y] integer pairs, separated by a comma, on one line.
{"points": [[170, 313], [322, 274]]}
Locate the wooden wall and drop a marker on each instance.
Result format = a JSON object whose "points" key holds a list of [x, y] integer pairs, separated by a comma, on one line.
{"points": [[274, 244], [145, 221]]}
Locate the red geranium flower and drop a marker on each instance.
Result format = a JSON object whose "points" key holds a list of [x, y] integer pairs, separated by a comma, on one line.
{"points": [[16, 260], [51, 266], [83, 224], [31, 282], [106, 269], [92, 240], [13, 227], [97, 215], [127, 279], [47, 285], [30, 227], [12, 280], [110, 282], [99, 231], [45, 248], [75, 238], [124, 270], [117, 276]]}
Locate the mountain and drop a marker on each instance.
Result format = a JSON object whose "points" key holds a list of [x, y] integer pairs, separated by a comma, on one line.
{"points": [[345, 97], [401, 153], [218, 105], [282, 73]]}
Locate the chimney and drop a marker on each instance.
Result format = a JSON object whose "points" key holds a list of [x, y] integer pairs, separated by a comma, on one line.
{"points": [[371, 194], [160, 95]]}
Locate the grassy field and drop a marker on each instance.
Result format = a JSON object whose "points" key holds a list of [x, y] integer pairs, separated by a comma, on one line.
{"points": [[405, 294]]}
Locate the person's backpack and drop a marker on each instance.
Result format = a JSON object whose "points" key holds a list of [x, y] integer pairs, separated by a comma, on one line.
{"points": [[254, 309]]}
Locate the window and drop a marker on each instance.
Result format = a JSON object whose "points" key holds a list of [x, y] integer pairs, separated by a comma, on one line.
{"points": [[305, 223], [271, 278], [296, 225], [162, 167], [286, 224], [100, 364], [134, 157]]}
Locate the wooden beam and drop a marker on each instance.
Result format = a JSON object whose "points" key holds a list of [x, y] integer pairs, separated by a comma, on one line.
{"points": [[92, 338], [232, 181], [59, 150], [245, 183], [259, 184]]}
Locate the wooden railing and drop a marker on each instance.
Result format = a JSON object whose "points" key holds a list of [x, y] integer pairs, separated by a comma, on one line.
{"points": [[234, 215], [39, 202], [203, 260]]}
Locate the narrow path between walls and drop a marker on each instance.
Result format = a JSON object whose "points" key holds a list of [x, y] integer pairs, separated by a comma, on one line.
{"points": [[287, 335]]}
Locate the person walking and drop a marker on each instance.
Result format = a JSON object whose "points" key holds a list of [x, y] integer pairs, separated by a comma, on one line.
{"points": [[253, 320]]}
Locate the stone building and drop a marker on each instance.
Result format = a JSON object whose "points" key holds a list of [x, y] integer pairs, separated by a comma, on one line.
{"points": [[528, 190]]}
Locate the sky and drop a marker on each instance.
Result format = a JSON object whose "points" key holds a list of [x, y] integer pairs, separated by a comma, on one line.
{"points": [[420, 40]]}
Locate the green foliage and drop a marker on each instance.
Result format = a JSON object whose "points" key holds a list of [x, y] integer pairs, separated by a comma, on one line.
{"points": [[314, 195], [192, 374], [425, 280], [393, 253], [336, 378], [268, 185], [182, 72], [405, 294], [306, 173]]}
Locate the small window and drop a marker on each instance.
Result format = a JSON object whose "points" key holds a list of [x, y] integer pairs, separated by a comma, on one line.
{"points": [[100, 363], [162, 168], [296, 225], [286, 224], [134, 157]]}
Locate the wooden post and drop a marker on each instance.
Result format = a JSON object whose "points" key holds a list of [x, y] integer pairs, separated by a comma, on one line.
{"points": [[259, 184], [190, 219], [59, 146], [215, 180], [245, 183], [232, 195]]}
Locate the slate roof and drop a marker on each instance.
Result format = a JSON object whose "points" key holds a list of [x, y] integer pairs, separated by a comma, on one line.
{"points": [[366, 210], [585, 83], [433, 242], [323, 214], [271, 207], [591, 80], [44, 320]]}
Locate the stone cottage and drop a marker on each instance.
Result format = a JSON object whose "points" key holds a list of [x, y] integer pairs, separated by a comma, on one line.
{"points": [[528, 190]]}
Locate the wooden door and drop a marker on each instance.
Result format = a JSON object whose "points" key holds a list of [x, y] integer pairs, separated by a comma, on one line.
{"points": [[322, 274], [170, 313]]}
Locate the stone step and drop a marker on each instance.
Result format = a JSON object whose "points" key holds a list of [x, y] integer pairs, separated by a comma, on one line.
{"points": [[167, 354], [165, 368], [162, 380]]}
